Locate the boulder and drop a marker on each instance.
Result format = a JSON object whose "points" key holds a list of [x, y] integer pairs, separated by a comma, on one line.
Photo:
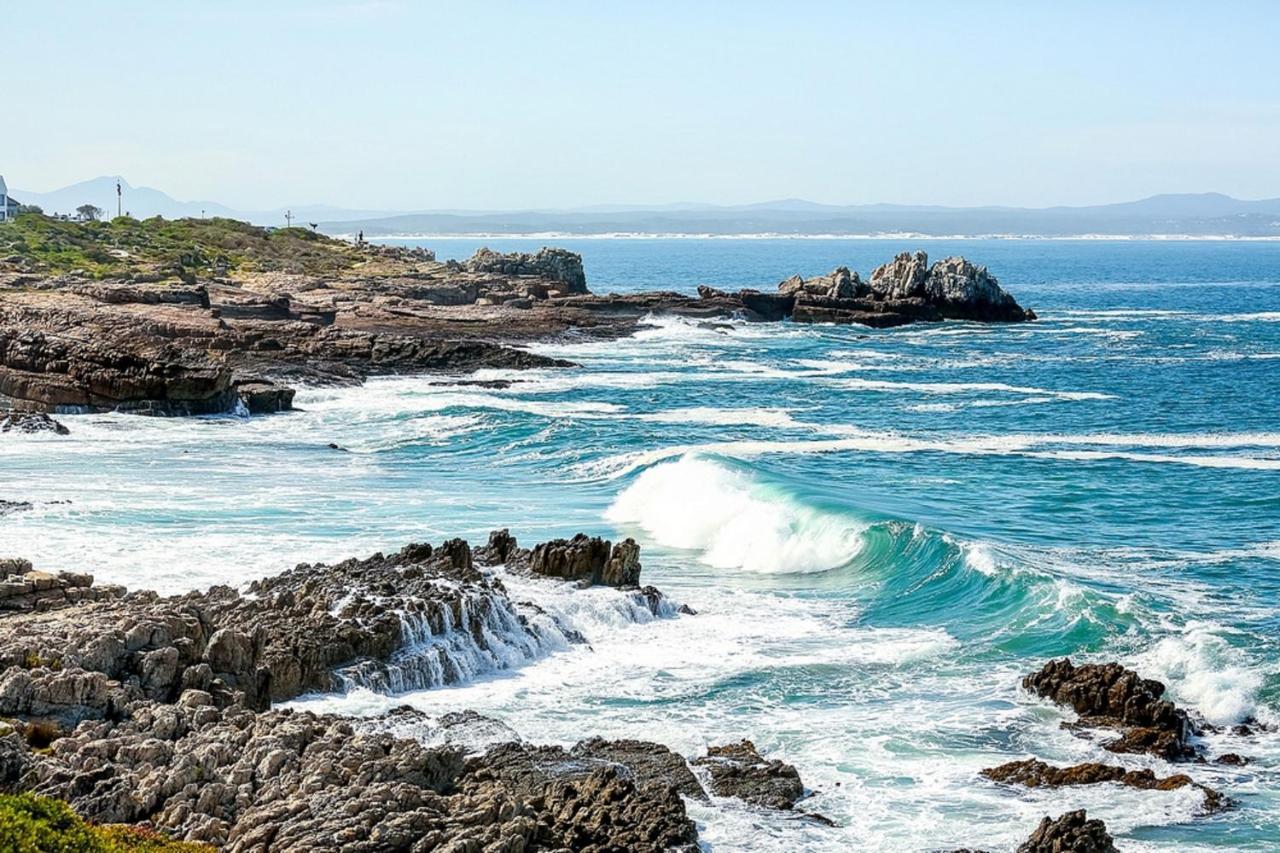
{"points": [[588, 560]]}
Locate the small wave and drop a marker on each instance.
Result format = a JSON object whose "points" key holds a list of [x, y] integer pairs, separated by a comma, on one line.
{"points": [[734, 520], [965, 388]]}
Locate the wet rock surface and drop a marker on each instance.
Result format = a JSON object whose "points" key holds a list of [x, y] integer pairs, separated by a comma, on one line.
{"points": [[739, 770], [1110, 696], [1073, 832]]}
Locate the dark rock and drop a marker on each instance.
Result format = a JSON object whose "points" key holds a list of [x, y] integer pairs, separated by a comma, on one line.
{"points": [[264, 397], [738, 770], [1037, 774], [1108, 695], [7, 507], [1073, 832], [590, 560], [1231, 759], [31, 422]]}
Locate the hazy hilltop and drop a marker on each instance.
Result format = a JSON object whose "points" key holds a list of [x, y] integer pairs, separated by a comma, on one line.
{"points": [[1184, 214]]}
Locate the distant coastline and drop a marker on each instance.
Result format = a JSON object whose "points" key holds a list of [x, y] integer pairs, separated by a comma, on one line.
{"points": [[904, 235]]}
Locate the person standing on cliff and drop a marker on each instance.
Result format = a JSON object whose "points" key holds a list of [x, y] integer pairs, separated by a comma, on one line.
{"points": [[360, 238]]}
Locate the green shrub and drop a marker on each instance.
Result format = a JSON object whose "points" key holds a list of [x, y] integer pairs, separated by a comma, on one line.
{"points": [[31, 824]]}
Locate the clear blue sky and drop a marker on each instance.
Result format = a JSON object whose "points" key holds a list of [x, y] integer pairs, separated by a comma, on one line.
{"points": [[399, 104]]}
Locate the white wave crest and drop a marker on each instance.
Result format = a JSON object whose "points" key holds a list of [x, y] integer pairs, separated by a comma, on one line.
{"points": [[734, 521]]}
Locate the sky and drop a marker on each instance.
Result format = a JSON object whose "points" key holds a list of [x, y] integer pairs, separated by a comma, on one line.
{"points": [[392, 104]]}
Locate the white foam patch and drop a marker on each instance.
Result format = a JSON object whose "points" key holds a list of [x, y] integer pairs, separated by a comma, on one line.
{"points": [[1202, 669], [777, 418], [733, 521]]}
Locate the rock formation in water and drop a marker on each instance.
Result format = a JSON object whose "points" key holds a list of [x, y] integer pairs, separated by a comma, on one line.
{"points": [[1033, 773], [1110, 696], [31, 422], [739, 770], [1073, 832], [904, 290]]}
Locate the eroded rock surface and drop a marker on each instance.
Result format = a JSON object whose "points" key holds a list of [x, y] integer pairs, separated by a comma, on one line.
{"points": [[31, 422]]}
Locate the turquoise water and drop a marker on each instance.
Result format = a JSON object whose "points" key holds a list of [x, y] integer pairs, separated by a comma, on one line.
{"points": [[881, 530]]}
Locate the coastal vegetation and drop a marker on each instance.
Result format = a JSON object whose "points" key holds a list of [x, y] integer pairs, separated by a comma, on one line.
{"points": [[32, 824], [185, 247]]}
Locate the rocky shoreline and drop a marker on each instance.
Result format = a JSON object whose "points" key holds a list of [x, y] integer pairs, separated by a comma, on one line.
{"points": [[183, 338], [163, 713]]}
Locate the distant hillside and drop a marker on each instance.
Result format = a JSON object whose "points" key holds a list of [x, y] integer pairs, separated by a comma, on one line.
{"points": [[145, 202], [1208, 214], [1188, 214]]}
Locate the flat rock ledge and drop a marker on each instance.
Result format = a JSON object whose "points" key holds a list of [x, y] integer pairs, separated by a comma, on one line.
{"points": [[739, 770]]}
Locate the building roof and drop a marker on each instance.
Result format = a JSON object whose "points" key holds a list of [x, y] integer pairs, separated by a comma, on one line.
{"points": [[3, 189]]}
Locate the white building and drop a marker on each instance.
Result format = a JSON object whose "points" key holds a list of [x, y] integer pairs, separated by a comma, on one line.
{"points": [[8, 204]]}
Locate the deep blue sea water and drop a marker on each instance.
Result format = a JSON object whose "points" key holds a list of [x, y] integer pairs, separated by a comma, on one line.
{"points": [[881, 530]]}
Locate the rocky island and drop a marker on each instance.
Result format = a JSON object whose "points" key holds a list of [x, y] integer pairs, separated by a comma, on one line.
{"points": [[205, 316]]}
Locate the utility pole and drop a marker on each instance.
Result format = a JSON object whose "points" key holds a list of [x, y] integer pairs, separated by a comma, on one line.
{"points": [[119, 203], [288, 218]]}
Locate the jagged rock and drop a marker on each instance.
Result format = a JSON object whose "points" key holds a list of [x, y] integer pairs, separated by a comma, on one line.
{"points": [[557, 265], [1037, 774], [1108, 695], [1073, 832], [31, 422], [590, 560], [953, 287], [738, 770], [840, 283]]}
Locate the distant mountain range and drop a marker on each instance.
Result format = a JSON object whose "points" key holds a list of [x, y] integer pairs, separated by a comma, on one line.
{"points": [[1187, 214]]}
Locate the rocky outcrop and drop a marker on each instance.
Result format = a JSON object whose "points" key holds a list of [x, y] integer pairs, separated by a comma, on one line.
{"points": [[555, 265], [963, 290], [423, 617], [31, 422], [739, 770], [290, 781], [1073, 832], [1110, 696], [1037, 774], [25, 589]]}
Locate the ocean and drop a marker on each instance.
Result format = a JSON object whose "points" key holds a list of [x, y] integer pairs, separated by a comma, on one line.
{"points": [[881, 531]]}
